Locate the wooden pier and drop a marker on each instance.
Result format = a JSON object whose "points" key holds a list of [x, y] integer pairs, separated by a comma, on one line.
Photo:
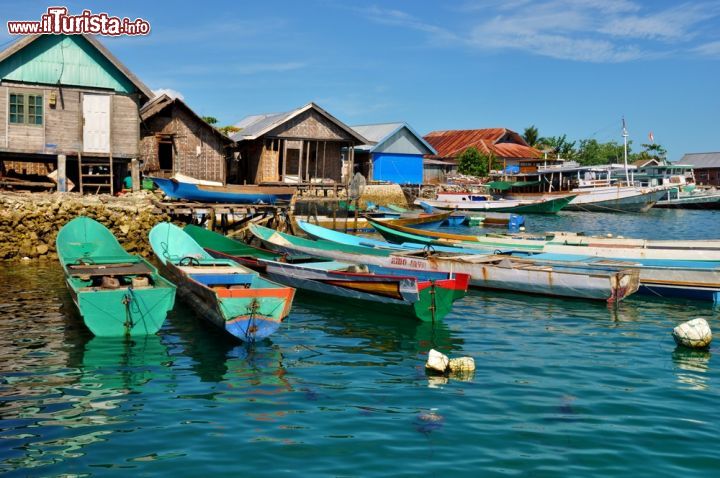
{"points": [[225, 218]]}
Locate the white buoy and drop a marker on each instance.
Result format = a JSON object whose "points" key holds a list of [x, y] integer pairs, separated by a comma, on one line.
{"points": [[462, 364], [694, 334], [437, 361]]}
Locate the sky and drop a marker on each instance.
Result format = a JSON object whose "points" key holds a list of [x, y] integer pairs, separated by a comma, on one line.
{"points": [[573, 67]]}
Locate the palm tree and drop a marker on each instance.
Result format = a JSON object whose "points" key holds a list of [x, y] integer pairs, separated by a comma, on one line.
{"points": [[531, 135]]}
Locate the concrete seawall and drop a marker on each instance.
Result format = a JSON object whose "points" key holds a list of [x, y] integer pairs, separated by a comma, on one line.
{"points": [[29, 222]]}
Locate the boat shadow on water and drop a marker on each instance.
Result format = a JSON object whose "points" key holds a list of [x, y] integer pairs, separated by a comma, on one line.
{"points": [[383, 332], [216, 357]]}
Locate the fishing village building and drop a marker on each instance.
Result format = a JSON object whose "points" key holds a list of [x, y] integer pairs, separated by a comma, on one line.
{"points": [[706, 167], [305, 145], [174, 139], [394, 153], [506, 146], [68, 108]]}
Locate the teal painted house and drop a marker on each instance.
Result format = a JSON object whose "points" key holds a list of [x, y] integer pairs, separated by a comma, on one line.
{"points": [[67, 103]]}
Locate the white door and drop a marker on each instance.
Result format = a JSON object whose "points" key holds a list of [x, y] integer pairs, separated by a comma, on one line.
{"points": [[96, 123]]}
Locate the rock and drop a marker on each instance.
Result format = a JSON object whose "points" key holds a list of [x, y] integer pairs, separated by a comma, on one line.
{"points": [[42, 249], [26, 258], [437, 361], [124, 228], [694, 334], [462, 364]]}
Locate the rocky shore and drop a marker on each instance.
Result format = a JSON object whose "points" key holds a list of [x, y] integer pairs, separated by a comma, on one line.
{"points": [[29, 222]]}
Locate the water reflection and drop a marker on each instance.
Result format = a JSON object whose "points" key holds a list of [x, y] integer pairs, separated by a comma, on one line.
{"points": [[215, 358], [86, 393], [379, 332], [692, 367]]}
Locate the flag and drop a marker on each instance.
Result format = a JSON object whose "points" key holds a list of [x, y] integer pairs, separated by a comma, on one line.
{"points": [[651, 137]]}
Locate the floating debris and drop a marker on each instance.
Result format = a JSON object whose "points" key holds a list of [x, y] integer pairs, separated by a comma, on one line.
{"points": [[694, 334]]}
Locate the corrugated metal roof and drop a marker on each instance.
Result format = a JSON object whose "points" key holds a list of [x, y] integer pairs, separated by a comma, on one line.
{"points": [[254, 124], [450, 144], [377, 134], [701, 160], [258, 125]]}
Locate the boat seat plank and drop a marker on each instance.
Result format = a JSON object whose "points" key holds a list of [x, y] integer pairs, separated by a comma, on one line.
{"points": [[96, 270], [223, 279], [219, 269]]}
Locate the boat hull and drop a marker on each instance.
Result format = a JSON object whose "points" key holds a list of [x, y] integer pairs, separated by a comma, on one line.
{"points": [[490, 272], [246, 314], [223, 194], [538, 206], [390, 294], [617, 199]]}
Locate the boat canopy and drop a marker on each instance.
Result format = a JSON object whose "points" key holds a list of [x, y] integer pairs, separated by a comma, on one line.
{"points": [[505, 185]]}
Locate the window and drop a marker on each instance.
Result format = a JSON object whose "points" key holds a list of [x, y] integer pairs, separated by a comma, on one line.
{"points": [[26, 109]]}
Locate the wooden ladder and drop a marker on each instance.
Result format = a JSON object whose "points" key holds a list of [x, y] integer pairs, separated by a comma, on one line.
{"points": [[96, 175]]}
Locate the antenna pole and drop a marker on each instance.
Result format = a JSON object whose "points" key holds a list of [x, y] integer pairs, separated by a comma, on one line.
{"points": [[625, 137]]}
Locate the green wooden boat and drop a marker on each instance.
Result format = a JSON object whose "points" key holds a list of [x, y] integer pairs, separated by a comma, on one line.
{"points": [[223, 292], [117, 294]]}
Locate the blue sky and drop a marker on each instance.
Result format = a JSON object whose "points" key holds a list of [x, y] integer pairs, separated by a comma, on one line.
{"points": [[570, 67]]}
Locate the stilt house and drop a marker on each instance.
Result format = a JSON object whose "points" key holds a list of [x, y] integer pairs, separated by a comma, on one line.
{"points": [[67, 104], [305, 145]]}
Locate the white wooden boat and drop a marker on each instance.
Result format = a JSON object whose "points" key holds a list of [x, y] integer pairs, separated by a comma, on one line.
{"points": [[486, 271]]}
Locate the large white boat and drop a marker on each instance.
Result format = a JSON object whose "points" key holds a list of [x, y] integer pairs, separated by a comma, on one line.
{"points": [[595, 187]]}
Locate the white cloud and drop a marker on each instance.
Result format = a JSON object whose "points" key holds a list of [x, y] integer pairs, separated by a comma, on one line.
{"points": [[602, 31], [709, 49], [170, 92]]}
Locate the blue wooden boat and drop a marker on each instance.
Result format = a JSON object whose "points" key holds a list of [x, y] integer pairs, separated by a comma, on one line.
{"points": [[237, 194], [322, 233]]}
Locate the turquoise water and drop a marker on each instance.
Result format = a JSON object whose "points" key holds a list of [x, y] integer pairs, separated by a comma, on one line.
{"points": [[562, 387]]}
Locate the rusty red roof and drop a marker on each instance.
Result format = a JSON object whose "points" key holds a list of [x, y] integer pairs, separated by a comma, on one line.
{"points": [[501, 142]]}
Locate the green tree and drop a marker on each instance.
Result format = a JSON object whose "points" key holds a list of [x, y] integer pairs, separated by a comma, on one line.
{"points": [[590, 152], [531, 135], [229, 130], [210, 120], [562, 148], [474, 163], [652, 151]]}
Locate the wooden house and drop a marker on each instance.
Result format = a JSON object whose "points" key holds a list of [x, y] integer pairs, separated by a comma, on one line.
{"points": [[174, 139], [706, 167], [67, 103], [394, 153], [305, 145], [506, 146]]}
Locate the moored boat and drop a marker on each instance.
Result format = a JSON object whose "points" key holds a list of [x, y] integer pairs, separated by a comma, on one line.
{"points": [[487, 271], [207, 192], [562, 243], [658, 278], [231, 297], [117, 294], [266, 262], [469, 202]]}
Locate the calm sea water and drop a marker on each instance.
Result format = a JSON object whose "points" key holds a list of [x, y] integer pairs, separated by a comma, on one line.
{"points": [[562, 387]]}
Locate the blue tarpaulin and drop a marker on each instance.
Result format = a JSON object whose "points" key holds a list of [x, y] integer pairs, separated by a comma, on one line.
{"points": [[398, 168]]}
